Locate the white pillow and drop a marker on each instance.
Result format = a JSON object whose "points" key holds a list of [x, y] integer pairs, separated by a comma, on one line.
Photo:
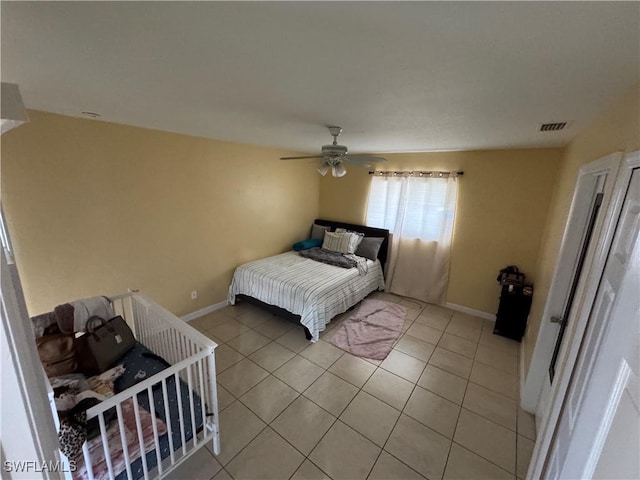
{"points": [[345, 242], [360, 235]]}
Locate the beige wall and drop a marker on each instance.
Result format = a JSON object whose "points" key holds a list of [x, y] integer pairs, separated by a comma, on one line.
{"points": [[96, 208], [502, 208], [616, 129]]}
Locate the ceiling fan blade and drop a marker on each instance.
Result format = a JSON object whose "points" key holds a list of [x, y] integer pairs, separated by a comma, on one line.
{"points": [[334, 155], [367, 158], [300, 158], [363, 161]]}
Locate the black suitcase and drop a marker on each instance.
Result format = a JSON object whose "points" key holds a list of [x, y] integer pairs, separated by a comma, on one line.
{"points": [[515, 304]]}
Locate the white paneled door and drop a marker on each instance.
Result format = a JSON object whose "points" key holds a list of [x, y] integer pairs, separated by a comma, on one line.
{"points": [[598, 433], [583, 238]]}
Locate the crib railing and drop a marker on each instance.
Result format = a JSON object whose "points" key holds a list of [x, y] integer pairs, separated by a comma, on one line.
{"points": [[192, 360]]}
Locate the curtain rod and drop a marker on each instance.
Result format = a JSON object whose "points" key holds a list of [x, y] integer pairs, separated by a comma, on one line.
{"points": [[417, 173]]}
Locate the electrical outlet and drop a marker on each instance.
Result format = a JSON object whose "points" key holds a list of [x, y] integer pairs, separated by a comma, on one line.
{"points": [[194, 295]]}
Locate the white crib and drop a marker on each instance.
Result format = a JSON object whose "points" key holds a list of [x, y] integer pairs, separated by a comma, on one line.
{"points": [[191, 355]]}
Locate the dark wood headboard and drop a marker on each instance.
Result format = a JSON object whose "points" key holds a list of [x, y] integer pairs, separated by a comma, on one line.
{"points": [[368, 232]]}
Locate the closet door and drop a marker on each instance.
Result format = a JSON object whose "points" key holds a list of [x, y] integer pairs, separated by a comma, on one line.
{"points": [[577, 258], [594, 435]]}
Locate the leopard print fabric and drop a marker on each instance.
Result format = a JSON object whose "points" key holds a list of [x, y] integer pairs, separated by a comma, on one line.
{"points": [[74, 428], [73, 434]]}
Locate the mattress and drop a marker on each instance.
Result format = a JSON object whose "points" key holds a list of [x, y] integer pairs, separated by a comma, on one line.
{"points": [[314, 290], [141, 363]]}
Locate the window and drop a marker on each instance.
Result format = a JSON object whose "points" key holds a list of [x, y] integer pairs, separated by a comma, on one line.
{"points": [[414, 207]]}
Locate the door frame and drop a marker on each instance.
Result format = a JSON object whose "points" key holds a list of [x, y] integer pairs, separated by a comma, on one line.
{"points": [[27, 407], [580, 315], [537, 380]]}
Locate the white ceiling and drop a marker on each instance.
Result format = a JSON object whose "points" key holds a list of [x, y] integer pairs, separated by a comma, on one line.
{"points": [[416, 76]]}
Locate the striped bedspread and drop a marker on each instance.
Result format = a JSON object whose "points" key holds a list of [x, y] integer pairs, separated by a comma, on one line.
{"points": [[315, 291]]}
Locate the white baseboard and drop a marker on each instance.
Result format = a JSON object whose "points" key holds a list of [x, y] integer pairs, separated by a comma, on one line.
{"points": [[471, 311], [204, 311]]}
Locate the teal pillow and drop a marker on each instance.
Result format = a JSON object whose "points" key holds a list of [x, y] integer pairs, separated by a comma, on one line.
{"points": [[307, 244]]}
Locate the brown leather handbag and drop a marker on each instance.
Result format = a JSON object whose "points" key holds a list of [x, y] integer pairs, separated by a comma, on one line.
{"points": [[57, 354], [103, 344]]}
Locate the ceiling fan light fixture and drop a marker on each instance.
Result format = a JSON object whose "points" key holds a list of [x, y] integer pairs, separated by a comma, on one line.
{"points": [[14, 112], [334, 155], [338, 170], [324, 169]]}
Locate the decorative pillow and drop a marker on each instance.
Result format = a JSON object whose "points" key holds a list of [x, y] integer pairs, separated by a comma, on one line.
{"points": [[340, 242], [369, 247], [318, 231], [307, 244], [360, 235]]}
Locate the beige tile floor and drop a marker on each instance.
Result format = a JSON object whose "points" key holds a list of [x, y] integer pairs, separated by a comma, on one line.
{"points": [[443, 404]]}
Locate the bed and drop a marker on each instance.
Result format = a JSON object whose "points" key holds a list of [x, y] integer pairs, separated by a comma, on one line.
{"points": [[163, 406], [306, 291]]}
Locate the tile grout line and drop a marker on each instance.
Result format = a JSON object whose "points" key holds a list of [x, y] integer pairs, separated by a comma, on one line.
{"points": [[415, 385], [377, 367], [481, 416], [300, 394], [453, 435], [462, 406], [248, 443], [360, 389], [382, 449], [485, 459], [337, 418], [237, 399], [468, 380], [266, 425]]}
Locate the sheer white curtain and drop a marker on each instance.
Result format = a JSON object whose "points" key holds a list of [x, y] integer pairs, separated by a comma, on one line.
{"points": [[419, 212]]}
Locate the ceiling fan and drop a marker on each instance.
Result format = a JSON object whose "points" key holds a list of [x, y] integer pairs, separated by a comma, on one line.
{"points": [[335, 155]]}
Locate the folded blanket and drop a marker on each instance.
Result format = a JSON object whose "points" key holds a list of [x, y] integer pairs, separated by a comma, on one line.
{"points": [[337, 259], [73, 395], [116, 448], [45, 324], [307, 244], [72, 317], [361, 263], [329, 257]]}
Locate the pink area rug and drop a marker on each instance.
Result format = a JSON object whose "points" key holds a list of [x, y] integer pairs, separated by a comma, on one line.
{"points": [[371, 331]]}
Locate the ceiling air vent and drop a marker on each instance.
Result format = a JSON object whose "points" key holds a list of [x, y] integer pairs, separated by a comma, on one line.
{"points": [[551, 127]]}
